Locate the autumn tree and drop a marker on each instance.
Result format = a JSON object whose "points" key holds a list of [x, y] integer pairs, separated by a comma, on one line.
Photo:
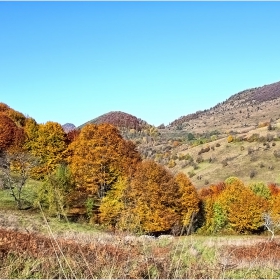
{"points": [[188, 201], [213, 216], [48, 143], [113, 206], [4, 107], [234, 207], [31, 132], [11, 136], [151, 199], [244, 209], [99, 156], [17, 117], [72, 135]]}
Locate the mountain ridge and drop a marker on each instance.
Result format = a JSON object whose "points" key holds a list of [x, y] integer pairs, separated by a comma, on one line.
{"points": [[245, 98]]}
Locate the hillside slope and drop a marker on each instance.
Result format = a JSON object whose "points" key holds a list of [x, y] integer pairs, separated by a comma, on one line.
{"points": [[119, 119], [241, 112]]}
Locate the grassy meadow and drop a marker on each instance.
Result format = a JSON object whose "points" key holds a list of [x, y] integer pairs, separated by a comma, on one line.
{"points": [[35, 245]]}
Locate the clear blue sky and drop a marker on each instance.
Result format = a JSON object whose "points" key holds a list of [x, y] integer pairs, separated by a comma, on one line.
{"points": [[73, 61]]}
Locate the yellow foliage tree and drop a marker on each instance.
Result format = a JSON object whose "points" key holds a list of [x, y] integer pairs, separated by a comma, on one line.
{"points": [[112, 205], [244, 209], [188, 200], [48, 143]]}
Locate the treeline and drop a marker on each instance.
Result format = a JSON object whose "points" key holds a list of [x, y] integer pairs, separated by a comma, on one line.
{"points": [[95, 173]]}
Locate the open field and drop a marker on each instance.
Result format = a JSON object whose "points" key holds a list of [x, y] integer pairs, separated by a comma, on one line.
{"points": [[35, 246]]}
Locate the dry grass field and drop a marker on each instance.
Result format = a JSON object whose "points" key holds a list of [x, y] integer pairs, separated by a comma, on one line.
{"points": [[249, 161], [71, 253]]}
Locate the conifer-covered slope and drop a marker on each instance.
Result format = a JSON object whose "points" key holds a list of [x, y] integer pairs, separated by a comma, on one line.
{"points": [[119, 119]]}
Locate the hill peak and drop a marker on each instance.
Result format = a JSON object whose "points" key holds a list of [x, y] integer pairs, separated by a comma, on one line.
{"points": [[119, 119]]}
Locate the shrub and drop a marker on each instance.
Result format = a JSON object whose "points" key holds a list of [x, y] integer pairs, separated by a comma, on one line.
{"points": [[199, 159], [204, 150], [254, 137], [253, 174], [191, 174], [269, 137], [224, 163], [250, 150], [276, 153], [230, 139], [171, 163]]}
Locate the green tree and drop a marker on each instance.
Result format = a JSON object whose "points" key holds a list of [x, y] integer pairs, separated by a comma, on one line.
{"points": [[54, 192]]}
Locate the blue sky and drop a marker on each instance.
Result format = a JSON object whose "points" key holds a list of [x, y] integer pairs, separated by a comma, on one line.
{"points": [[73, 61]]}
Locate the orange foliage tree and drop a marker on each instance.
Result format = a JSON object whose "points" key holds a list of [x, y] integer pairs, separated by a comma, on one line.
{"points": [[17, 117], [98, 156], [151, 201], [151, 197], [10, 134]]}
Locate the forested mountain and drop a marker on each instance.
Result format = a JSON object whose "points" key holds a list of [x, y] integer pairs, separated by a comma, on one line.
{"points": [[120, 120]]}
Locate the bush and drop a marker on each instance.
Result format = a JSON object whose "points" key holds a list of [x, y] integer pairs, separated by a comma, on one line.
{"points": [[204, 150], [191, 174], [254, 137], [230, 139], [250, 150], [276, 153], [269, 137], [199, 159], [171, 163], [224, 163], [253, 174]]}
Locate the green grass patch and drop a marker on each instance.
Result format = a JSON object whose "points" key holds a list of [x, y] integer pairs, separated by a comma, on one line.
{"points": [[6, 200]]}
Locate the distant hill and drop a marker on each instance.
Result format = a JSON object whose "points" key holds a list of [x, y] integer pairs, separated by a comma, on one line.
{"points": [[68, 127], [242, 111], [119, 119]]}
